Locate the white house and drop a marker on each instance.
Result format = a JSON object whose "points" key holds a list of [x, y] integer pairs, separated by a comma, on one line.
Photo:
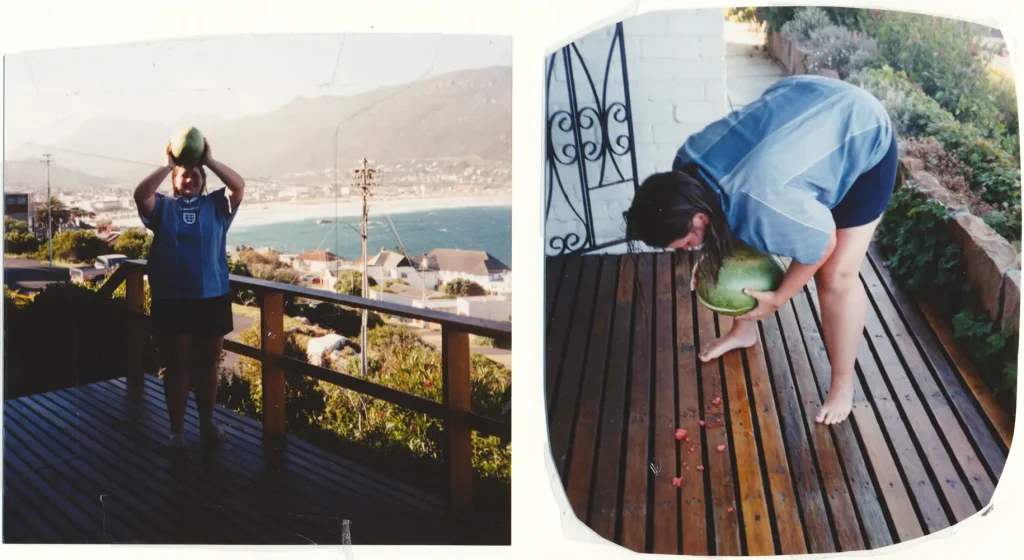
{"points": [[390, 266], [318, 261], [477, 266], [669, 69]]}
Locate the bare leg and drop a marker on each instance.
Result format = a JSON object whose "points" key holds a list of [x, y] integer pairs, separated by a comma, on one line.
{"points": [[843, 312], [177, 352], [207, 354], [743, 334]]}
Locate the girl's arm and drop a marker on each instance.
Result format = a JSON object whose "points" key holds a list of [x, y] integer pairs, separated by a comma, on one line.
{"points": [[797, 276], [145, 193], [232, 180]]}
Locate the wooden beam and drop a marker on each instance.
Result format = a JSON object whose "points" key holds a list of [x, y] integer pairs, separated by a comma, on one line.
{"points": [[459, 452], [137, 330], [272, 344]]}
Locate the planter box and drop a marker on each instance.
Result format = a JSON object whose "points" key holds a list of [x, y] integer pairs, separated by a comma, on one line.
{"points": [[789, 54], [992, 263]]}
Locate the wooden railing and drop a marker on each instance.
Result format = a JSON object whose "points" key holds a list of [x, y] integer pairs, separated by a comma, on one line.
{"points": [[455, 410]]}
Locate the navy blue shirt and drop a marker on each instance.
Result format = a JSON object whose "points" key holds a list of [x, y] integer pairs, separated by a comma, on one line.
{"points": [[783, 162], [188, 258]]}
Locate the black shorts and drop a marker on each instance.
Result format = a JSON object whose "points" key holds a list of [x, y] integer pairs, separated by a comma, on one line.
{"points": [[869, 195], [212, 316]]}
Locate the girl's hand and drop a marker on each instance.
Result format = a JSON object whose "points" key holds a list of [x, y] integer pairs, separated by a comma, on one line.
{"points": [[767, 304], [168, 158], [207, 158]]}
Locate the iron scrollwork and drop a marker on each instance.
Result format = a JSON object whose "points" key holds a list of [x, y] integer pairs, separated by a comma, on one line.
{"points": [[589, 142]]}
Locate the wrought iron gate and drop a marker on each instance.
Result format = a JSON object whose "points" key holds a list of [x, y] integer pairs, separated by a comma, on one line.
{"points": [[586, 150]]}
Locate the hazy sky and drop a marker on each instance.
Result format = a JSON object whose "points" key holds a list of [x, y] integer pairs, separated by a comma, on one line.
{"points": [[49, 93]]}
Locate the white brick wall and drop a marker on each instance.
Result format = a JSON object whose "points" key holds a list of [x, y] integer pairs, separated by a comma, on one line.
{"points": [[676, 66]]}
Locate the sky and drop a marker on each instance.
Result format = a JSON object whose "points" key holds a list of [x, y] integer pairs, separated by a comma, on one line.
{"points": [[48, 94]]}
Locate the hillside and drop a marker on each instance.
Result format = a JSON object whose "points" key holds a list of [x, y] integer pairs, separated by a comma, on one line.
{"points": [[30, 175]]}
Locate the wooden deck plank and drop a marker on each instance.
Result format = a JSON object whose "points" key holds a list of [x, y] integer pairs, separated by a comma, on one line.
{"points": [[553, 269], [814, 514], [718, 466], [554, 352], [665, 447], [637, 459], [785, 507], [843, 515], [577, 486], [564, 405], [934, 398], [980, 423], [604, 510], [693, 506], [753, 501], [951, 487], [869, 509]]}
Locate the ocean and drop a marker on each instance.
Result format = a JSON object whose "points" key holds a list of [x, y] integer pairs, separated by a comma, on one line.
{"points": [[481, 228]]}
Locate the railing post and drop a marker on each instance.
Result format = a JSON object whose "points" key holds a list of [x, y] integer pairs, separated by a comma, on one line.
{"points": [[272, 349], [137, 334], [459, 451]]}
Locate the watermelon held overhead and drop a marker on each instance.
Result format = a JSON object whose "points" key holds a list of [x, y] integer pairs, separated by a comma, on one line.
{"points": [[187, 146], [745, 268]]}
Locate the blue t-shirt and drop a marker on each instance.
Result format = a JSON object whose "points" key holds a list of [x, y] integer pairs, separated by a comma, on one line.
{"points": [[783, 162], [188, 258]]}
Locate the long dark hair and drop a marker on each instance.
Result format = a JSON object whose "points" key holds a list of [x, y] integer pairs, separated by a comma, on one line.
{"points": [[662, 212]]}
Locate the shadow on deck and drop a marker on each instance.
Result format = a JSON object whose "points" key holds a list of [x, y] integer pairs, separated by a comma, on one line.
{"points": [[89, 465], [923, 449]]}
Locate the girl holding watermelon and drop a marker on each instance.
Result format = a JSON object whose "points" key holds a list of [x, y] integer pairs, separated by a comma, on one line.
{"points": [[804, 172], [188, 276]]}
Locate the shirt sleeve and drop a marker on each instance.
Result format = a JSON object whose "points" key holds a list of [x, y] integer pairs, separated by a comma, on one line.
{"points": [[223, 204], [154, 216], [787, 223]]}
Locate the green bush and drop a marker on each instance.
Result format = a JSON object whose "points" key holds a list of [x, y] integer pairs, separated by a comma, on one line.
{"points": [[78, 246], [992, 350], [804, 23], [133, 243], [460, 287], [947, 60], [838, 48]]}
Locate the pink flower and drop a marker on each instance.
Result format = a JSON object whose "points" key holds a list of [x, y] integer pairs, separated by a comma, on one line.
{"points": [[677, 481], [1002, 118], [680, 433], [874, 14]]}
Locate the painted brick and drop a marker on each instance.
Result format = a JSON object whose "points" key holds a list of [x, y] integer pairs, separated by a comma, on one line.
{"points": [[642, 131], [697, 22], [652, 23], [652, 111], [673, 90], [680, 46], [988, 256], [700, 111], [675, 133], [643, 70], [1011, 301], [715, 92], [712, 47]]}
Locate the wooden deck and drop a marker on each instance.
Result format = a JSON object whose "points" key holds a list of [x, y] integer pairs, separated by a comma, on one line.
{"points": [[88, 465], [923, 449]]}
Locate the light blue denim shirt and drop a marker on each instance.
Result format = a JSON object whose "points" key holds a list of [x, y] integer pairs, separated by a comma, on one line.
{"points": [[188, 258], [781, 163]]}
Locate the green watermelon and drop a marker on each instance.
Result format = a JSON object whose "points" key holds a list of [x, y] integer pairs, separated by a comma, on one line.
{"points": [[187, 146], [746, 268]]}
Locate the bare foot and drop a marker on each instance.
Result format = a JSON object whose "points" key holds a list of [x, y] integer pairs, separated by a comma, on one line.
{"points": [[838, 403], [176, 441], [212, 432], [731, 341]]}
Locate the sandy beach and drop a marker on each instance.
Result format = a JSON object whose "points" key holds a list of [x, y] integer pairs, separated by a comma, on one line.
{"points": [[257, 213]]}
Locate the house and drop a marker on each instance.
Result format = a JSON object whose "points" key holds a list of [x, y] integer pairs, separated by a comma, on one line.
{"points": [[494, 308], [317, 261], [477, 266], [388, 266], [16, 205]]}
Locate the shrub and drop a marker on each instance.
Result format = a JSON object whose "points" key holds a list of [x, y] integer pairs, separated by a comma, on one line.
{"points": [[774, 18], [947, 60], [134, 243], [804, 23], [18, 240], [350, 282], [840, 49], [460, 287], [78, 246]]}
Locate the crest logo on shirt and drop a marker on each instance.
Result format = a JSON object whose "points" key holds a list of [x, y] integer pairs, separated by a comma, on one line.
{"points": [[189, 217]]}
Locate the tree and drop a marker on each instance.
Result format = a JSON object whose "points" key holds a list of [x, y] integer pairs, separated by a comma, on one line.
{"points": [[350, 282], [17, 239], [78, 246], [60, 215], [461, 287], [398, 249], [134, 243]]}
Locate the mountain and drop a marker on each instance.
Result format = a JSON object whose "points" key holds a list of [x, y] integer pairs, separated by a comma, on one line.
{"points": [[458, 115], [30, 175]]}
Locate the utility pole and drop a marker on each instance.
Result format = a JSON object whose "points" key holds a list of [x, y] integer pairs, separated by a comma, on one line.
{"points": [[49, 207], [364, 177]]}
